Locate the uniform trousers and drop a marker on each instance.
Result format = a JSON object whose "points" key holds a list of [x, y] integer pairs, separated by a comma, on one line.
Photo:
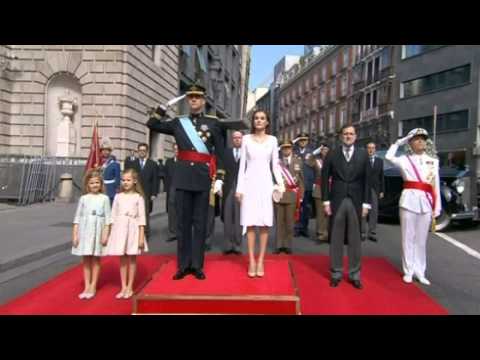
{"points": [[285, 225], [415, 229], [191, 213]]}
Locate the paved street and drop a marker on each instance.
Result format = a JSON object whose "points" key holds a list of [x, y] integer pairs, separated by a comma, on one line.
{"points": [[454, 273]]}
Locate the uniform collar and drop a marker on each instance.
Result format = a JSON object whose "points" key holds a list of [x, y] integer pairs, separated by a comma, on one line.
{"points": [[196, 116]]}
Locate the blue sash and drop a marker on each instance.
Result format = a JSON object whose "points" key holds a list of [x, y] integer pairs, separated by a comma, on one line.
{"points": [[193, 136]]}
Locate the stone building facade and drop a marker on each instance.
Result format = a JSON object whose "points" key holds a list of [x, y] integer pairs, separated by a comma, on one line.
{"points": [[111, 84]]}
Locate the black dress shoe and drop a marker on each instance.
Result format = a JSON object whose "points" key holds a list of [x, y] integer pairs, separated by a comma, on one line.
{"points": [[199, 275], [356, 284], [372, 238], [287, 250], [277, 251], [236, 252], [179, 275], [228, 252], [334, 282]]}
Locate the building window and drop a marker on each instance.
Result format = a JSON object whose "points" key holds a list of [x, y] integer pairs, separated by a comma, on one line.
{"points": [[385, 57], [344, 85], [322, 96], [315, 79], [345, 57], [439, 81], [187, 50], [334, 66], [201, 60], [321, 124], [307, 85], [368, 100], [413, 50], [331, 120], [374, 99], [359, 53], [324, 73], [343, 116], [446, 122], [376, 74], [333, 90], [369, 70]]}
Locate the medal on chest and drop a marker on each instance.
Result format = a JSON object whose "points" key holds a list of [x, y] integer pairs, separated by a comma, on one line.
{"points": [[204, 132]]}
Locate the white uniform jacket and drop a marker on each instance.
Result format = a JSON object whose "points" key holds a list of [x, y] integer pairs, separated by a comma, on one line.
{"points": [[416, 200]]}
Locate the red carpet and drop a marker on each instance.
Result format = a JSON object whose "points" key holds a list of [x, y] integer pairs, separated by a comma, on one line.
{"points": [[59, 296], [384, 292], [227, 290]]}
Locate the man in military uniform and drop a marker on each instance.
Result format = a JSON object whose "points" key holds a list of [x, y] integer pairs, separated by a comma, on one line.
{"points": [[288, 208], [304, 151], [111, 169], [420, 202], [316, 162], [198, 176]]}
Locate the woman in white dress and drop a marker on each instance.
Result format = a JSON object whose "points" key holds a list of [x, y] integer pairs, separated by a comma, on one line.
{"points": [[259, 156]]}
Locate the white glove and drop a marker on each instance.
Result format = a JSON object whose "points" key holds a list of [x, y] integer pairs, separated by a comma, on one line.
{"points": [[317, 150], [403, 141], [217, 188]]}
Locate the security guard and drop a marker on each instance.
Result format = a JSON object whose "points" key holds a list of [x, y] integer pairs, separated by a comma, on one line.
{"points": [[110, 168], [288, 208], [198, 176]]}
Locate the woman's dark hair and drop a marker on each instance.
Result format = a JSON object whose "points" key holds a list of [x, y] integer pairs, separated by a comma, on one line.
{"points": [[252, 125]]}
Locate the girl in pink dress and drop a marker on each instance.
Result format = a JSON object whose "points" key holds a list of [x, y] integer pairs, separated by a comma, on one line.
{"points": [[127, 238]]}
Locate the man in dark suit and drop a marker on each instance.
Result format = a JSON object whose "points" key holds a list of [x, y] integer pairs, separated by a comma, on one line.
{"points": [[129, 160], [346, 200], [161, 176], [170, 166], [198, 176], [148, 171], [231, 207], [304, 151], [377, 185]]}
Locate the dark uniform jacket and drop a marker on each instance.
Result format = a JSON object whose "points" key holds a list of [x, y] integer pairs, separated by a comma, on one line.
{"points": [[193, 176], [377, 180], [170, 166], [148, 177], [308, 171]]}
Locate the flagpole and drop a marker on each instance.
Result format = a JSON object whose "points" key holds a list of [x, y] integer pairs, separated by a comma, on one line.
{"points": [[434, 124]]}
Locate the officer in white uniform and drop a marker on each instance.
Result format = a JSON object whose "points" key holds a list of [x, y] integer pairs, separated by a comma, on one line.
{"points": [[421, 180]]}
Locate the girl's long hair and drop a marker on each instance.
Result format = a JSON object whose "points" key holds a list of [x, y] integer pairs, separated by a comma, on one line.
{"points": [[93, 173], [137, 187]]}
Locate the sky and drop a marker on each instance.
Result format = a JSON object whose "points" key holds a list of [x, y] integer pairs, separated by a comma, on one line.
{"points": [[264, 58]]}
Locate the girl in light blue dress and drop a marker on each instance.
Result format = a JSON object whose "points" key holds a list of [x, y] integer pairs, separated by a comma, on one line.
{"points": [[90, 230]]}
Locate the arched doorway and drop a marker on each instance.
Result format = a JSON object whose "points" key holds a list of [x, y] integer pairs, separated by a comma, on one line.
{"points": [[63, 91]]}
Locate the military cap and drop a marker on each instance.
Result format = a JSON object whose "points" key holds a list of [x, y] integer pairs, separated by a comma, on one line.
{"points": [[196, 89], [285, 143], [418, 132]]}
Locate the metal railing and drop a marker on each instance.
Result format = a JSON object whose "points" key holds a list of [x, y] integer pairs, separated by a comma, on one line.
{"points": [[32, 179]]}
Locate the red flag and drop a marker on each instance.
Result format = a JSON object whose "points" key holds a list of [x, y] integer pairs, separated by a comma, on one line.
{"points": [[94, 159]]}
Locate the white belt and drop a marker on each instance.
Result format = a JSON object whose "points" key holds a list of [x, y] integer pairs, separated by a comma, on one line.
{"points": [[109, 181]]}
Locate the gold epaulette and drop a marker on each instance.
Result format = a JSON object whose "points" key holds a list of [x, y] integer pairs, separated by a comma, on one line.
{"points": [[221, 172], [211, 116]]}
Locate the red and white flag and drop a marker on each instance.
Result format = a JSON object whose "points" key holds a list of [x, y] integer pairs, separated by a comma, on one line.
{"points": [[94, 159]]}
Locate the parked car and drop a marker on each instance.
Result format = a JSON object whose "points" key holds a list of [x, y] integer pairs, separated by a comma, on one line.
{"points": [[455, 194]]}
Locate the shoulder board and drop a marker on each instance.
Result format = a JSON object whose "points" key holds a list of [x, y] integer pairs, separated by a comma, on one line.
{"points": [[181, 116], [211, 116]]}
